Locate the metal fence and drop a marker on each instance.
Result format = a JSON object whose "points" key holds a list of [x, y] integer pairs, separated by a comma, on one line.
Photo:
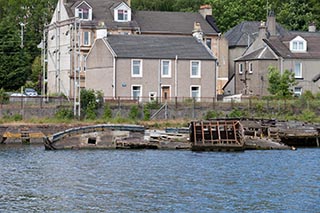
{"points": [[252, 106]]}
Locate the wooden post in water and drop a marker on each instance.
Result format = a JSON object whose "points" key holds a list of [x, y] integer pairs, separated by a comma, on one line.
{"points": [[317, 140]]}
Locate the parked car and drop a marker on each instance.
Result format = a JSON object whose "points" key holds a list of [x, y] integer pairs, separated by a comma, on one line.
{"points": [[30, 92], [17, 95]]}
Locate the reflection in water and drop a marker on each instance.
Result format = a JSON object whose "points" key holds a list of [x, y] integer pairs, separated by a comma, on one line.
{"points": [[36, 180]]}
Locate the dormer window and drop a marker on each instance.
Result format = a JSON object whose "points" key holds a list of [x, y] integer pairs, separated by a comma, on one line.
{"points": [[298, 44], [84, 11], [122, 13]]}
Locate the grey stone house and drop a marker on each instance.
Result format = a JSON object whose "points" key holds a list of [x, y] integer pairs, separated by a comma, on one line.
{"points": [[241, 37], [298, 52], [149, 67]]}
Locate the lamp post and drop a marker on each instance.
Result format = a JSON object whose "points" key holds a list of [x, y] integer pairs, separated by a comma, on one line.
{"points": [[21, 36]]}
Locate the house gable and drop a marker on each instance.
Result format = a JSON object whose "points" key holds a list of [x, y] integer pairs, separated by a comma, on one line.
{"points": [[298, 44], [122, 13], [84, 11], [60, 13]]}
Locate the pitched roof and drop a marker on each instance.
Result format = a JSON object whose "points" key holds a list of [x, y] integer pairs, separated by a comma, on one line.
{"points": [[263, 53], [102, 12], [158, 47], [171, 22], [280, 45], [246, 32]]}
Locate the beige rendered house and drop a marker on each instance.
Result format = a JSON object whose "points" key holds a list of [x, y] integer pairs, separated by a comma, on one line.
{"points": [[151, 67], [76, 24]]}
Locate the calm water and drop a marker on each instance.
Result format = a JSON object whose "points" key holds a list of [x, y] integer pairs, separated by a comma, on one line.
{"points": [[35, 180]]}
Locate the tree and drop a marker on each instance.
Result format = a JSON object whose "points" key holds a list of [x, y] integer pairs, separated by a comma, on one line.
{"points": [[280, 84], [16, 62]]}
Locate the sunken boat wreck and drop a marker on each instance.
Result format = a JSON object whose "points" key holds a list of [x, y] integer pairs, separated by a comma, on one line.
{"points": [[113, 136], [207, 135]]}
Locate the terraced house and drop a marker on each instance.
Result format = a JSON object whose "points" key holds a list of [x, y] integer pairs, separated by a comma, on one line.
{"points": [[77, 24], [148, 67]]}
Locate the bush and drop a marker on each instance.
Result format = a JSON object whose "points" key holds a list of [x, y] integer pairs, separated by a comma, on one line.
{"points": [[212, 114], [64, 114], [236, 113], [91, 111], [146, 113], [107, 113], [14, 117], [4, 97], [134, 112]]}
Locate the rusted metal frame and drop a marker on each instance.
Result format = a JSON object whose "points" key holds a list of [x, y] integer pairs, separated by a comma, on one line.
{"points": [[202, 132], [210, 126], [194, 132], [235, 131], [226, 131], [218, 130]]}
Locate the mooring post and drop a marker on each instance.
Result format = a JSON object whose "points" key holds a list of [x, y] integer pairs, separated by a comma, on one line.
{"points": [[317, 140]]}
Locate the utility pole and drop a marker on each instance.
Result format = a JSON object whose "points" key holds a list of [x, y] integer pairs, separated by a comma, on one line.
{"points": [[245, 79], [21, 36]]}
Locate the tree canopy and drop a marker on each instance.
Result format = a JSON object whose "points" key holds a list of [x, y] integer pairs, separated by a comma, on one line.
{"points": [[280, 85]]}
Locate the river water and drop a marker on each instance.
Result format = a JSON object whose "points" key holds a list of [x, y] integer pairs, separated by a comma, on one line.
{"points": [[35, 180]]}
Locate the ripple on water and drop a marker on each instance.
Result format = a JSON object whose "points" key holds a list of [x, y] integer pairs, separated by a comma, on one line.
{"points": [[158, 181]]}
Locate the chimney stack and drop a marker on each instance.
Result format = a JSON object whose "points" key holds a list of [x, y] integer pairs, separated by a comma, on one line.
{"points": [[205, 10], [312, 27], [197, 32], [129, 3], [271, 24], [262, 30]]}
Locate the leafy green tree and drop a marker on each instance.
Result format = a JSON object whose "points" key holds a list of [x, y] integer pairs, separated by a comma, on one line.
{"points": [[280, 84], [15, 61]]}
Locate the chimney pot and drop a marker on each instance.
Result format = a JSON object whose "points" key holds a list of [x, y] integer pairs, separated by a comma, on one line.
{"points": [[205, 10], [312, 27]]}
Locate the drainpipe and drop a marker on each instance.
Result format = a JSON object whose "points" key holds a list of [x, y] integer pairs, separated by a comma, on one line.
{"points": [[281, 65], [159, 80], [216, 76], [176, 76], [114, 78]]}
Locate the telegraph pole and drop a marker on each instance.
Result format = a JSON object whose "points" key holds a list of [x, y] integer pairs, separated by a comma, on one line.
{"points": [[21, 36]]}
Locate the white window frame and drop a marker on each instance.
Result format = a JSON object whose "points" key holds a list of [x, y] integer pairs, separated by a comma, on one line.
{"points": [[79, 11], [86, 41], [133, 97], [296, 92], [297, 75], [197, 98], [240, 67], [199, 69], [169, 69], [152, 96], [298, 44], [126, 13], [140, 68], [250, 67]]}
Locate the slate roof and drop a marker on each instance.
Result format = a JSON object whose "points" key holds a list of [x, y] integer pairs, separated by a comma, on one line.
{"points": [[263, 53], [158, 47], [147, 21], [171, 22], [102, 12], [280, 45], [238, 35]]}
